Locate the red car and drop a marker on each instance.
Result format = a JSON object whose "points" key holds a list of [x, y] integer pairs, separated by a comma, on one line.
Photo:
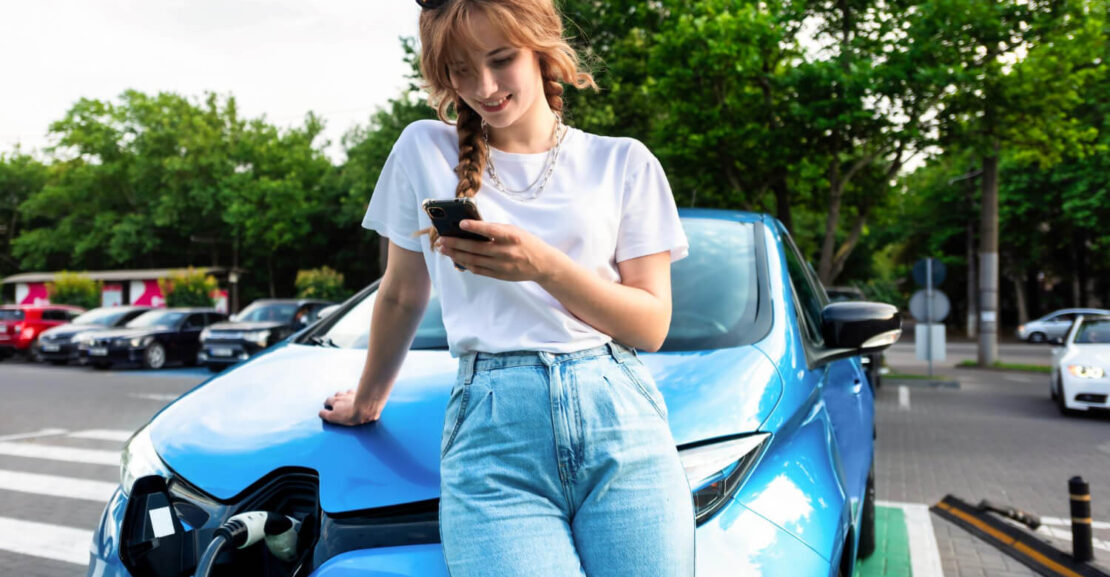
{"points": [[20, 325]]}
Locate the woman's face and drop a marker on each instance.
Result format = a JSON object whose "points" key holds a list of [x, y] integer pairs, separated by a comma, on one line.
{"points": [[498, 80]]}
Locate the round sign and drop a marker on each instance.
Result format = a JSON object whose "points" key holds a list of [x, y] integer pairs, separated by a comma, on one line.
{"points": [[920, 310], [920, 273]]}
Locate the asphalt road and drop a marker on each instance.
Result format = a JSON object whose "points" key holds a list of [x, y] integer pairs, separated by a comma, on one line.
{"points": [[61, 431]]}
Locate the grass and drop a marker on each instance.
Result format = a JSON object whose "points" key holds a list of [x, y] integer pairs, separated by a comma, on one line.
{"points": [[1008, 366]]}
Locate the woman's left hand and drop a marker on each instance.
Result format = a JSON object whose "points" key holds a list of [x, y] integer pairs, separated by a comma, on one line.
{"points": [[513, 255]]}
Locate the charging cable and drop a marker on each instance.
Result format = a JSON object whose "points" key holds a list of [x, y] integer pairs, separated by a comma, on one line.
{"points": [[246, 529]]}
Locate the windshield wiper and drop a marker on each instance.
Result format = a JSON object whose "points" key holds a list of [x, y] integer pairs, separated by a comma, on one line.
{"points": [[323, 341]]}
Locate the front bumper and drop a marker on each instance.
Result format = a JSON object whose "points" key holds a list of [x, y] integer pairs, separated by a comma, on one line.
{"points": [[111, 355], [58, 351], [1086, 394], [226, 353], [736, 541]]}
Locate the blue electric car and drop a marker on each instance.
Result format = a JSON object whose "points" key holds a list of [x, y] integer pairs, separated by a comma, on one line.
{"points": [[761, 377]]}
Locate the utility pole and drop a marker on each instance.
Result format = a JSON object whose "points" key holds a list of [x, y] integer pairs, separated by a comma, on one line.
{"points": [[988, 261]]}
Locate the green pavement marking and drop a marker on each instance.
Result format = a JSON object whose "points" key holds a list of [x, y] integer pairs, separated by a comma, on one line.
{"points": [[892, 546]]}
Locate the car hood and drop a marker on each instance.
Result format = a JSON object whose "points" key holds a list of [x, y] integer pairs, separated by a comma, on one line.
{"points": [[245, 326], [69, 330], [263, 416], [1090, 352], [132, 333]]}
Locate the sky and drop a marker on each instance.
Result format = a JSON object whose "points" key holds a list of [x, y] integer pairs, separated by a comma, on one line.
{"points": [[339, 58]]}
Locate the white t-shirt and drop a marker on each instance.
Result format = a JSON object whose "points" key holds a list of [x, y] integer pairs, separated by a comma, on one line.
{"points": [[607, 201]]}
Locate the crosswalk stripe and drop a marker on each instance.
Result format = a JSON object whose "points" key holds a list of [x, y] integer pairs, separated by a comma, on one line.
{"points": [[42, 433], [103, 435], [48, 541], [68, 454], [55, 486]]}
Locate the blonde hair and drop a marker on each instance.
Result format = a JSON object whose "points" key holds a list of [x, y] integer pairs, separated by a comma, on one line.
{"points": [[532, 24]]}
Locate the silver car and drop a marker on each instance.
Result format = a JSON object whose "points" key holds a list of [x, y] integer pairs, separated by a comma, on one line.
{"points": [[1054, 325]]}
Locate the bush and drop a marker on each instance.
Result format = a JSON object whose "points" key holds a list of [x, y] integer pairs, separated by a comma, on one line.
{"points": [[75, 289], [320, 283], [189, 289]]}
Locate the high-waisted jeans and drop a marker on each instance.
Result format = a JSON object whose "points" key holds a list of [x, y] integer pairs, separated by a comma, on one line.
{"points": [[557, 465]]}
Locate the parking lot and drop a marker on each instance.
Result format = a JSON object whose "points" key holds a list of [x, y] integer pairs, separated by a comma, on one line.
{"points": [[996, 436]]}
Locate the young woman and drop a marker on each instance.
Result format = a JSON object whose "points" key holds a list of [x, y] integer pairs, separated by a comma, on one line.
{"points": [[556, 455]]}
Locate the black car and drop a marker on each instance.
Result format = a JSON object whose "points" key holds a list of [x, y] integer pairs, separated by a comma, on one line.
{"points": [[263, 323], [58, 344], [152, 339]]}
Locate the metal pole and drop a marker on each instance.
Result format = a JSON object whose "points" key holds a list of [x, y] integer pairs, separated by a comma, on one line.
{"points": [[1080, 493], [929, 313]]}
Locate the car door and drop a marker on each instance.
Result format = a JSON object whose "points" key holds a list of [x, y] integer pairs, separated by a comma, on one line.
{"points": [[188, 337], [1057, 326], [843, 388]]}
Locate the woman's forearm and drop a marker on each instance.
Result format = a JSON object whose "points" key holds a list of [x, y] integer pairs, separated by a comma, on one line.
{"points": [[631, 315], [392, 327]]}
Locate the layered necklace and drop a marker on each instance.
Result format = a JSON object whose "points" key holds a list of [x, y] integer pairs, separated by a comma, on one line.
{"points": [[557, 134]]}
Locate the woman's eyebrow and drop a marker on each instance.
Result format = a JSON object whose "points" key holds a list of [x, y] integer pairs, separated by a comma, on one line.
{"points": [[497, 50]]}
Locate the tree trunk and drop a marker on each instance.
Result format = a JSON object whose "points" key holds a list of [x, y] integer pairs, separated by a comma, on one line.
{"points": [[270, 271], [836, 193], [972, 283], [1018, 278], [988, 261], [782, 203]]}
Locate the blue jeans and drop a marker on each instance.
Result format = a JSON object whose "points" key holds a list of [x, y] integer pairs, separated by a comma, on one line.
{"points": [[560, 465]]}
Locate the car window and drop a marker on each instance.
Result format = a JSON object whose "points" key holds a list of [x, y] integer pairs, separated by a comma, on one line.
{"points": [[104, 316], [807, 291], [54, 315], [153, 318], [1063, 318], [714, 295], [11, 314], [1094, 332], [267, 312]]}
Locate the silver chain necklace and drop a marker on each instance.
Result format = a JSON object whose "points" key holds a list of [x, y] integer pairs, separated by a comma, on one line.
{"points": [[557, 135]]}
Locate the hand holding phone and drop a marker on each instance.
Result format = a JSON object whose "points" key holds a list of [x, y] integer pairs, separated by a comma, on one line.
{"points": [[446, 215]]}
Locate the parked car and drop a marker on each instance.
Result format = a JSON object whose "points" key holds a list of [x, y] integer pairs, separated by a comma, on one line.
{"points": [[760, 377], [21, 325], [1053, 326], [873, 363], [260, 325], [57, 344], [152, 339], [1079, 378]]}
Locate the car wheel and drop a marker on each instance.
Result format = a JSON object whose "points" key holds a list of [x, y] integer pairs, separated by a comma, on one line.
{"points": [[1060, 403], [867, 518], [154, 357], [1037, 338], [1052, 390], [102, 366], [215, 368], [57, 362]]}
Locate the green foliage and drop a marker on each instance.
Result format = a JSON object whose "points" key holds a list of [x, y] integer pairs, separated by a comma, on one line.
{"points": [[320, 283], [190, 288], [21, 176], [74, 289]]}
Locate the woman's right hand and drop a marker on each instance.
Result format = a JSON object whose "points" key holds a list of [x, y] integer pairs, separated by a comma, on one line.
{"points": [[340, 409]]}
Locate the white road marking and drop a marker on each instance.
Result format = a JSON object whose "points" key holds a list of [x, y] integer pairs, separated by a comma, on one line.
{"points": [[903, 398], [54, 486], [154, 396], [69, 454], [47, 541], [924, 553], [103, 435], [42, 433], [1065, 535], [1067, 523]]}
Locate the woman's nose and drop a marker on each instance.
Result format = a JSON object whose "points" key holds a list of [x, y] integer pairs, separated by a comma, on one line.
{"points": [[486, 83]]}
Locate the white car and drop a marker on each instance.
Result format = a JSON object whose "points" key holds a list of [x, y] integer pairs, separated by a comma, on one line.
{"points": [[1079, 367], [1054, 325]]}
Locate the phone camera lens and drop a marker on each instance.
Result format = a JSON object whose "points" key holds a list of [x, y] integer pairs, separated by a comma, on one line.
{"points": [[437, 212]]}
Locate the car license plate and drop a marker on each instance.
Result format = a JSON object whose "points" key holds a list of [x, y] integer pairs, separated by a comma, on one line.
{"points": [[221, 352], [99, 351], [51, 348]]}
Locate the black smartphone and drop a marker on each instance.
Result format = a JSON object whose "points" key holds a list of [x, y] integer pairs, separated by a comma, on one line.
{"points": [[446, 214]]}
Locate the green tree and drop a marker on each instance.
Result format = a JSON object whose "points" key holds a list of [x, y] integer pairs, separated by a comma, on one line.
{"points": [[20, 177], [74, 289], [321, 283], [190, 288]]}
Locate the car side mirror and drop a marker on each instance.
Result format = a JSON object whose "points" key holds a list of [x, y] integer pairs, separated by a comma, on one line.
{"points": [[864, 327], [327, 311]]}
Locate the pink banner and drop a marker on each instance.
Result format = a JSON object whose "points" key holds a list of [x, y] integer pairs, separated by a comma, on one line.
{"points": [[151, 295], [36, 295]]}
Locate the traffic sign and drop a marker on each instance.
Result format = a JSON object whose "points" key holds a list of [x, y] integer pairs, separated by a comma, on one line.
{"points": [[920, 272], [919, 306]]}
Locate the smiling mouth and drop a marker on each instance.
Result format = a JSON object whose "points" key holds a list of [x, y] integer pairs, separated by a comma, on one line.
{"points": [[494, 105]]}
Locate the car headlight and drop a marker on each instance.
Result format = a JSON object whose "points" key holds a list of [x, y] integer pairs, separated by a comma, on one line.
{"points": [[1086, 371], [204, 334], [139, 459], [717, 470], [140, 341], [257, 337], [84, 339]]}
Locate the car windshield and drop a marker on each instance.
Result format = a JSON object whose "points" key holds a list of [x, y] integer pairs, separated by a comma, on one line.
{"points": [[715, 295], [156, 318], [1094, 332], [106, 317], [264, 312], [11, 314]]}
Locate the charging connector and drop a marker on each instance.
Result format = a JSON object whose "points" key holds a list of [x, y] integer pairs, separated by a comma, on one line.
{"points": [[246, 529]]}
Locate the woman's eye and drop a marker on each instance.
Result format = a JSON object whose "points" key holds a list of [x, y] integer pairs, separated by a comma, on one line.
{"points": [[502, 62]]}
